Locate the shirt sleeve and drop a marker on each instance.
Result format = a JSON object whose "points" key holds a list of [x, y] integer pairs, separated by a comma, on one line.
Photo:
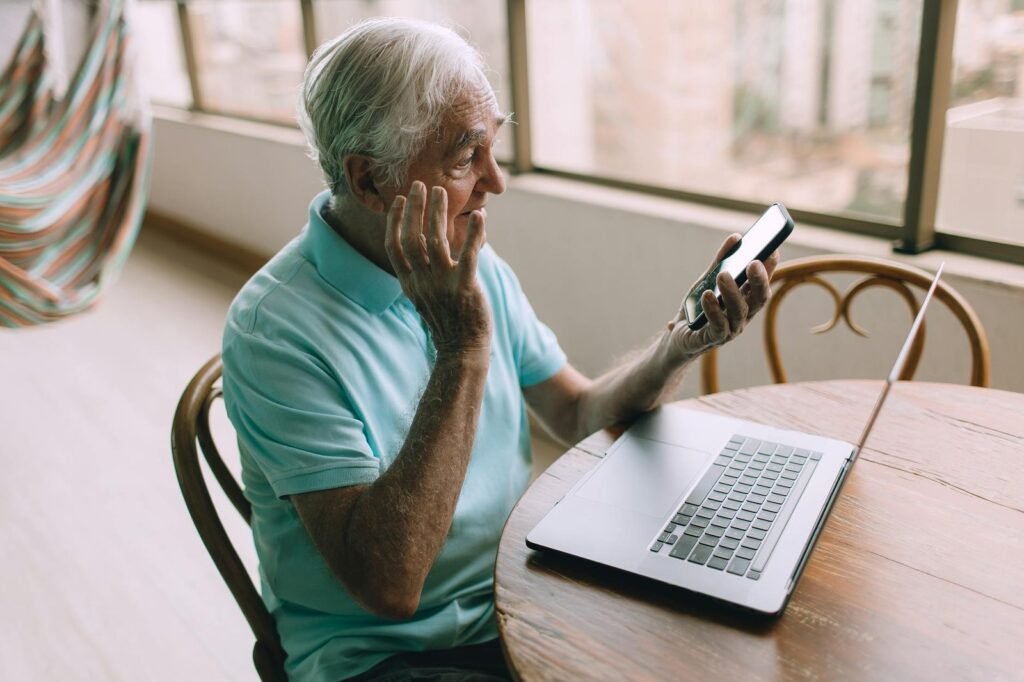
{"points": [[537, 352], [293, 417]]}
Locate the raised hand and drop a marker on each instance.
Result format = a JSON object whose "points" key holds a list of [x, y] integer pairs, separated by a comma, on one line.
{"points": [[726, 320], [445, 291]]}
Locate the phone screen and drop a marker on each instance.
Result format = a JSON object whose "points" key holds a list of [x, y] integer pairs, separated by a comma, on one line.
{"points": [[773, 222]]}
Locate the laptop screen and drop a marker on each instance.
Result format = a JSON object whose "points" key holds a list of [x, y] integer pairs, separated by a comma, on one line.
{"points": [[901, 358]]}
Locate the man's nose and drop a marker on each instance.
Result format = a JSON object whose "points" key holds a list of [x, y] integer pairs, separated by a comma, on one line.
{"points": [[493, 179]]}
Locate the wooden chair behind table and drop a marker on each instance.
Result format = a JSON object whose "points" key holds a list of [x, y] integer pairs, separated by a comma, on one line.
{"points": [[877, 272], [191, 426]]}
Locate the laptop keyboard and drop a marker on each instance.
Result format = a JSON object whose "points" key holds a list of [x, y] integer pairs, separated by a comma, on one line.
{"points": [[733, 518]]}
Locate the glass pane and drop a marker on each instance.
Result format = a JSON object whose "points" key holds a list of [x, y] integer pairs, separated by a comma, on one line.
{"points": [[161, 58], [807, 102], [482, 22], [981, 191], [250, 56]]}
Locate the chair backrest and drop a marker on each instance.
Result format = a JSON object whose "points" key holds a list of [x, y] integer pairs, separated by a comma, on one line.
{"points": [[877, 272], [191, 426]]}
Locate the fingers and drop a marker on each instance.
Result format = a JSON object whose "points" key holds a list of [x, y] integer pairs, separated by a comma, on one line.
{"points": [[758, 289], [734, 302], [412, 239], [730, 242], [717, 329], [475, 237], [771, 263], [393, 236], [437, 233]]}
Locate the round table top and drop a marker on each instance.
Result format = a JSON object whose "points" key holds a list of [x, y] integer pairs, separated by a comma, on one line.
{"points": [[919, 572]]}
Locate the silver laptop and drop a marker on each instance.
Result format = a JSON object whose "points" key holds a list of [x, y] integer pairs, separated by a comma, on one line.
{"points": [[724, 507]]}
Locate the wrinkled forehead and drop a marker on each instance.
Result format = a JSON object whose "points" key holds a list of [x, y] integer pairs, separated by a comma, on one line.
{"points": [[472, 116]]}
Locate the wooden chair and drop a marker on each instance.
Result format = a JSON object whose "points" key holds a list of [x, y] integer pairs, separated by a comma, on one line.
{"points": [[878, 272], [192, 425]]}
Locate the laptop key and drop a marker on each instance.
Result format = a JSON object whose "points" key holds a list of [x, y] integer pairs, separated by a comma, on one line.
{"points": [[740, 525], [714, 532], [776, 498], [694, 531], [701, 553], [816, 455], [656, 547], [699, 522], [705, 484], [683, 547], [753, 575], [718, 562], [736, 533], [750, 446], [771, 507], [707, 540], [745, 515], [746, 552], [756, 534], [729, 543], [722, 460], [681, 520], [730, 506], [761, 525], [739, 566], [671, 528], [705, 513], [688, 509]]}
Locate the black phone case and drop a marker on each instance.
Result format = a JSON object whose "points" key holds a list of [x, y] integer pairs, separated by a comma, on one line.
{"points": [[775, 243]]}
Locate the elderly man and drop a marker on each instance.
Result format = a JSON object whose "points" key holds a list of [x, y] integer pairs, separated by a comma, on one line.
{"points": [[378, 370]]}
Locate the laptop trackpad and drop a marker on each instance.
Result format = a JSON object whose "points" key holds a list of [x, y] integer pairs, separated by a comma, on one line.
{"points": [[645, 476]]}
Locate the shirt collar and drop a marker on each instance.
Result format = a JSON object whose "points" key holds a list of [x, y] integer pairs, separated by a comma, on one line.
{"points": [[343, 267]]}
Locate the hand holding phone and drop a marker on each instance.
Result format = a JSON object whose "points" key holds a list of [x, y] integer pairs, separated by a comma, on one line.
{"points": [[758, 243]]}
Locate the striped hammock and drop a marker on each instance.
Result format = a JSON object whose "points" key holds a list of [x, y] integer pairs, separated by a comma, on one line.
{"points": [[74, 173]]}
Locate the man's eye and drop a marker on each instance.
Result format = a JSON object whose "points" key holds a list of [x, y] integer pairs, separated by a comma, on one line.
{"points": [[464, 163]]}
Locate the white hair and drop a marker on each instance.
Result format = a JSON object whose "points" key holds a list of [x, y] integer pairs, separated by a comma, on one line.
{"points": [[379, 89]]}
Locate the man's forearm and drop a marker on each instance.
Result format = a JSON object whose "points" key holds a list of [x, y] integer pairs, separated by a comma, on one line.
{"points": [[638, 385], [399, 523]]}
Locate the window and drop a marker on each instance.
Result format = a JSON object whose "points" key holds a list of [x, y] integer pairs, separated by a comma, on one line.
{"points": [[160, 55], [804, 102], [826, 105], [249, 56], [982, 187], [481, 22]]}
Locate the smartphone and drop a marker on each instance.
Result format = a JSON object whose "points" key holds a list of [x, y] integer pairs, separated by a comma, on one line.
{"points": [[766, 235]]}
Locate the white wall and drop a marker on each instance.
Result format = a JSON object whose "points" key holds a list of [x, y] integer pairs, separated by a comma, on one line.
{"points": [[604, 268]]}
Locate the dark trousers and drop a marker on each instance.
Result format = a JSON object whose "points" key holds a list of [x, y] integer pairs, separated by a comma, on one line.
{"points": [[474, 663]]}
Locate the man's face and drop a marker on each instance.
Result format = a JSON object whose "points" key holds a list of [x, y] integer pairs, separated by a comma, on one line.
{"points": [[461, 160]]}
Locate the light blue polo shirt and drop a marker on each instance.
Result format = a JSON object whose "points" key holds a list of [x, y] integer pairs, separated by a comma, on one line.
{"points": [[325, 360]]}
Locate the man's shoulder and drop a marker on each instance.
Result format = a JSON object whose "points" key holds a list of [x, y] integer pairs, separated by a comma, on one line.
{"points": [[269, 292]]}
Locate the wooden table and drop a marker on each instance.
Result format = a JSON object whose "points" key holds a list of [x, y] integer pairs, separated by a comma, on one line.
{"points": [[919, 573]]}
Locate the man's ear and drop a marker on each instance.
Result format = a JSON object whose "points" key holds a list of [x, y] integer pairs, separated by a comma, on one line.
{"points": [[362, 182]]}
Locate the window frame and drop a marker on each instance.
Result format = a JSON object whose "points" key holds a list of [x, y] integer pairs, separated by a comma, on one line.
{"points": [[915, 233]]}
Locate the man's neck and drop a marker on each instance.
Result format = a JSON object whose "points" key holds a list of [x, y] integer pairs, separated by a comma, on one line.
{"points": [[367, 239]]}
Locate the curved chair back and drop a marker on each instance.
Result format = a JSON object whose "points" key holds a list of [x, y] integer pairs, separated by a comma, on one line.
{"points": [[877, 272], [192, 425]]}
